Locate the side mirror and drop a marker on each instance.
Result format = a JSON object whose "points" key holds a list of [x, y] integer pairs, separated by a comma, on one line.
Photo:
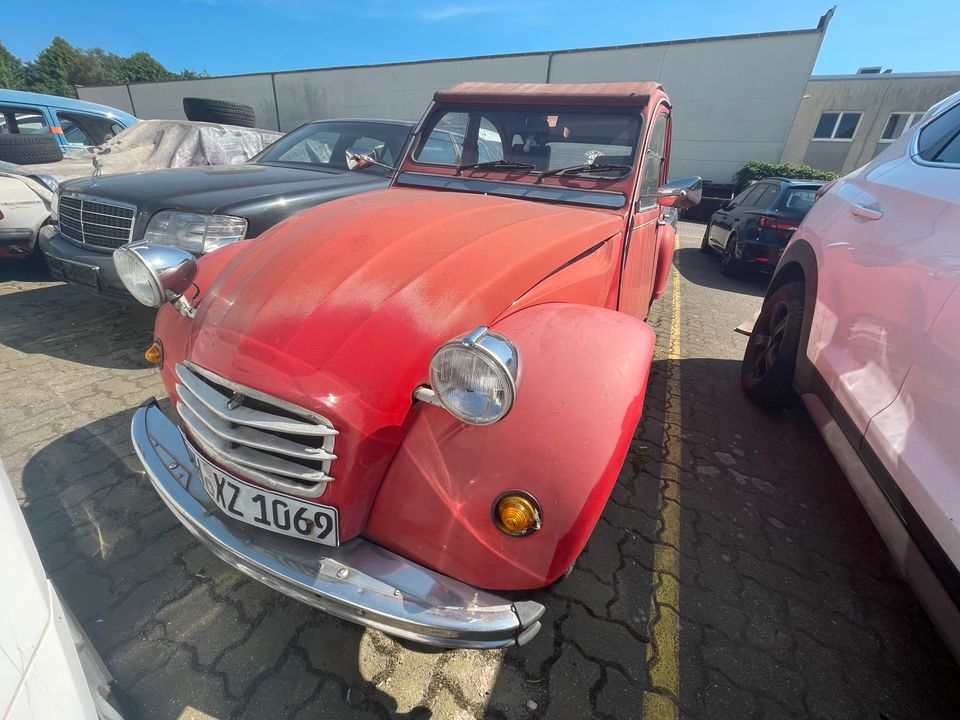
{"points": [[683, 193], [358, 158]]}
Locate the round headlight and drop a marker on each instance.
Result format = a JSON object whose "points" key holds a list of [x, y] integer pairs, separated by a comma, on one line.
{"points": [[475, 377], [154, 274]]}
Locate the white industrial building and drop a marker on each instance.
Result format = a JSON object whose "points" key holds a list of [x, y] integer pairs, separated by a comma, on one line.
{"points": [[735, 98]]}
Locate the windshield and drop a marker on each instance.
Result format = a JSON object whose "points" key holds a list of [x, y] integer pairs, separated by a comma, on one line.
{"points": [[529, 142], [323, 145]]}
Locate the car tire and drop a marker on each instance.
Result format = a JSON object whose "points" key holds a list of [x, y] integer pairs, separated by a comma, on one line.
{"points": [[705, 243], [729, 265], [29, 149], [770, 359], [219, 111]]}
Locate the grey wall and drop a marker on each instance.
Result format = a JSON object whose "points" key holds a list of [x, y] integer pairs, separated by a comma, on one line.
{"points": [[728, 108], [876, 96]]}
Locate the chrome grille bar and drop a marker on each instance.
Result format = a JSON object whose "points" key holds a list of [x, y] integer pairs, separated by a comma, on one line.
{"points": [[96, 222], [219, 404], [255, 435]]}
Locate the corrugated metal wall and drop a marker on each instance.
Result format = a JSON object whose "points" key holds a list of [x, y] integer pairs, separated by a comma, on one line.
{"points": [[734, 98]]}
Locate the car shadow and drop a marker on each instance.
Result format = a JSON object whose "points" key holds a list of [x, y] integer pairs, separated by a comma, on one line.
{"points": [[704, 269], [64, 322], [31, 269], [179, 629]]}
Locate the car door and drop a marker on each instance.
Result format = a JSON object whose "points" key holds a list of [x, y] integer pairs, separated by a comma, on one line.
{"points": [[721, 222], [640, 249], [889, 259], [915, 436]]}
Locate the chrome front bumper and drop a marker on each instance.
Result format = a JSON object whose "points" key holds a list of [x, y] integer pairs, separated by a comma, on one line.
{"points": [[357, 581]]}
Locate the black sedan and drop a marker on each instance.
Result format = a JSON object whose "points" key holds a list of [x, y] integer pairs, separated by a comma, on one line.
{"points": [[753, 228], [201, 208]]}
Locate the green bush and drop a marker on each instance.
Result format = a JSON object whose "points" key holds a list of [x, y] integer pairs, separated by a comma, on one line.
{"points": [[759, 169]]}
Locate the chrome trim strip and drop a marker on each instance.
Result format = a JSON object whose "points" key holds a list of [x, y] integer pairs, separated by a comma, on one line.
{"points": [[246, 456], [357, 581], [242, 415], [255, 438]]}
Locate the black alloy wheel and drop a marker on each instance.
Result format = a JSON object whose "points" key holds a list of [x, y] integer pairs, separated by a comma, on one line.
{"points": [[770, 358]]}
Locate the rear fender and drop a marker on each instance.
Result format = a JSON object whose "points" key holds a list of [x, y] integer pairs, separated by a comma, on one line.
{"points": [[583, 374]]}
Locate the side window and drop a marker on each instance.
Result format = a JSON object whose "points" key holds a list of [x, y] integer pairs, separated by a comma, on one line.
{"points": [[745, 198], [765, 197], [444, 144], [23, 120], [939, 141], [651, 176], [83, 129]]}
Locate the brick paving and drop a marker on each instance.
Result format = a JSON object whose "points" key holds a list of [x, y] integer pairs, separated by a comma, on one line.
{"points": [[789, 605]]}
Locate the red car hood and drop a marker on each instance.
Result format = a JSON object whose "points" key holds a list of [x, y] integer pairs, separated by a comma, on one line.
{"points": [[339, 308]]}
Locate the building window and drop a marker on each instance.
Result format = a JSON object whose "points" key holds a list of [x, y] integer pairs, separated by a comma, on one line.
{"points": [[897, 124], [837, 125]]}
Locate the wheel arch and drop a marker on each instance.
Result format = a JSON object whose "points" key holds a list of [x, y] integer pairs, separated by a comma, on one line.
{"points": [[799, 264]]}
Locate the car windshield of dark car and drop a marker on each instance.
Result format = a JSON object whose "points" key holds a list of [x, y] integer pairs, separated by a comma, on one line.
{"points": [[797, 200], [323, 145], [529, 142]]}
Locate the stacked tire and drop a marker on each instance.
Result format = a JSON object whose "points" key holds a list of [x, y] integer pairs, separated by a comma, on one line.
{"points": [[30, 149], [219, 111]]}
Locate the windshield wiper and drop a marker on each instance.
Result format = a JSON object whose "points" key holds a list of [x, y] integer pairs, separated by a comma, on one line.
{"points": [[585, 169], [505, 164]]}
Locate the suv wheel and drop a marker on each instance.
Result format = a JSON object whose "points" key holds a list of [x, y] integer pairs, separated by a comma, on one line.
{"points": [[729, 265], [770, 359], [705, 243]]}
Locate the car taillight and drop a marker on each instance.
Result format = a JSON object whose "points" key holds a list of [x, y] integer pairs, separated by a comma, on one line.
{"points": [[776, 223]]}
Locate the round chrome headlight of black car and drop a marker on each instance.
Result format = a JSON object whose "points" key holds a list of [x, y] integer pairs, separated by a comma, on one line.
{"points": [[475, 376], [154, 274]]}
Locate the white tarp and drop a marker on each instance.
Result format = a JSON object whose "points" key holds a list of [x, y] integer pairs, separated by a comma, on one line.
{"points": [[150, 145]]}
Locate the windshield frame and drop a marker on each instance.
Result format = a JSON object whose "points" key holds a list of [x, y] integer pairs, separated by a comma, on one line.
{"points": [[580, 182]]}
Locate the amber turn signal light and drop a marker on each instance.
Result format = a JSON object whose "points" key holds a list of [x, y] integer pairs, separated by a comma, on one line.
{"points": [[516, 513], [154, 353]]}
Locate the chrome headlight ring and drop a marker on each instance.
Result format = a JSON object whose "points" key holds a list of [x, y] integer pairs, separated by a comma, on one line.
{"points": [[474, 377], [155, 274]]}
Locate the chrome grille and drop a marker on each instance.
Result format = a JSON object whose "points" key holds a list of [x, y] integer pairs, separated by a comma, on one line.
{"points": [[255, 435], [96, 222]]}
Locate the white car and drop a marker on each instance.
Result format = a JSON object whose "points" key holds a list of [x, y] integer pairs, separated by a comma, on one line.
{"points": [[23, 210], [862, 319], [48, 669]]}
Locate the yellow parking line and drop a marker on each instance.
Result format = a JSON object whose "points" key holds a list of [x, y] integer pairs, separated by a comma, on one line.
{"points": [[663, 652]]}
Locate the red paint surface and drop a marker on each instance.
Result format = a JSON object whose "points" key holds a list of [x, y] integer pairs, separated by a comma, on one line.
{"points": [[564, 442]]}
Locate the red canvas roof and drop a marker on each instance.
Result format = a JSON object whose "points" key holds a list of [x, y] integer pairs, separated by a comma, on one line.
{"points": [[618, 94]]}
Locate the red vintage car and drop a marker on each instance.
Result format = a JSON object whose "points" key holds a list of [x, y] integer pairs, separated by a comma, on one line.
{"points": [[395, 405]]}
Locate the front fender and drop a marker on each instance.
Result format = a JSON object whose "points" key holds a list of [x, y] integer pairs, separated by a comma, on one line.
{"points": [[666, 241], [583, 374]]}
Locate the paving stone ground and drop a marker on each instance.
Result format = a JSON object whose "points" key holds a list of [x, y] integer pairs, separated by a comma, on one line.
{"points": [[789, 605]]}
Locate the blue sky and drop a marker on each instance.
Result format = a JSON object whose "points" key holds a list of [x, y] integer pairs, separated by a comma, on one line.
{"points": [[237, 36]]}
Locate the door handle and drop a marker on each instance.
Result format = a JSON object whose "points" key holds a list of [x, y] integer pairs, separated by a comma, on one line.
{"points": [[865, 212]]}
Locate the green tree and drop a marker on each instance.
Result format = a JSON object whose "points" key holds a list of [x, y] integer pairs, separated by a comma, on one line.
{"points": [[61, 67], [50, 72], [11, 70]]}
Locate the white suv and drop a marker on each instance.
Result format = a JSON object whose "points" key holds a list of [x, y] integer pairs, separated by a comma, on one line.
{"points": [[862, 320]]}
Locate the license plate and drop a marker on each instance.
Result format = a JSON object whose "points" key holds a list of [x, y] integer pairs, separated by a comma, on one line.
{"points": [[266, 509], [75, 272]]}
